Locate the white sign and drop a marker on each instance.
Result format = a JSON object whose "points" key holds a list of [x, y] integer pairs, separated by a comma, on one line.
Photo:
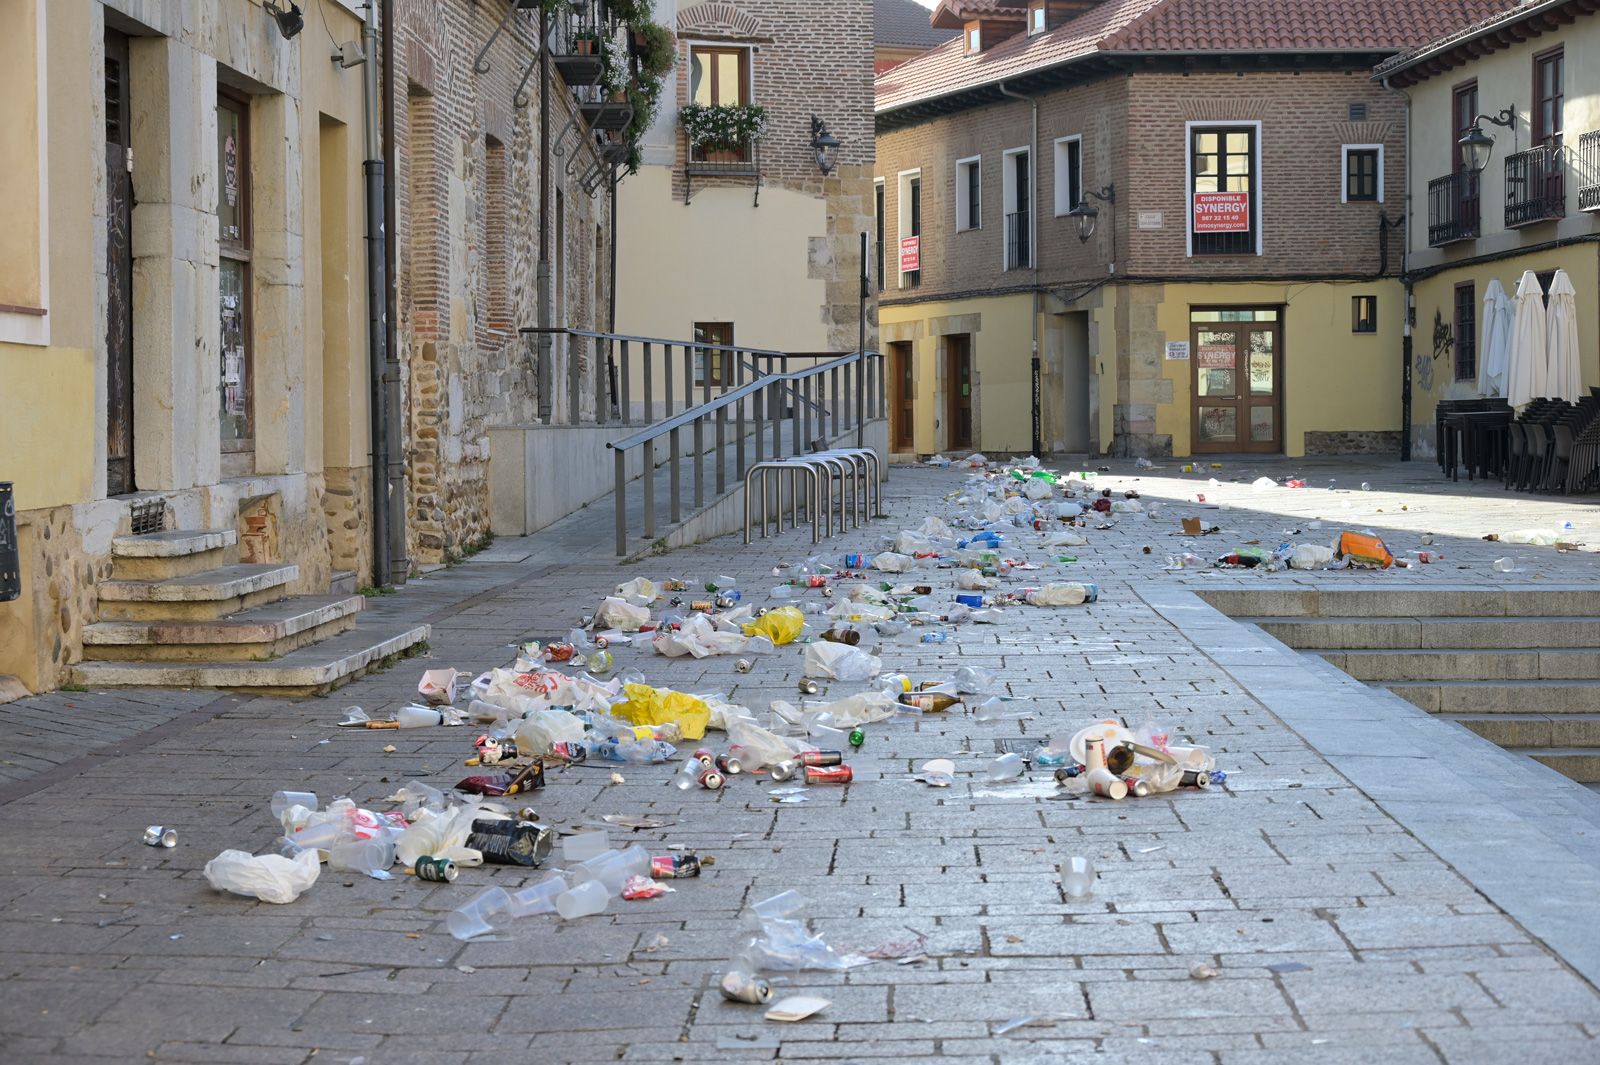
{"points": [[1150, 220], [1177, 351]]}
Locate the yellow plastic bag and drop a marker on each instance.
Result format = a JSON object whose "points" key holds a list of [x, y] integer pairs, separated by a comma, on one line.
{"points": [[659, 706], [781, 626]]}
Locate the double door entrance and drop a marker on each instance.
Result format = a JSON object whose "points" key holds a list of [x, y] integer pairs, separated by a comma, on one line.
{"points": [[1237, 375]]}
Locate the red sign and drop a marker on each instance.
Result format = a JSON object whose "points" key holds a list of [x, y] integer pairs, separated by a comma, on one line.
{"points": [[910, 254], [1215, 357], [1221, 212]]}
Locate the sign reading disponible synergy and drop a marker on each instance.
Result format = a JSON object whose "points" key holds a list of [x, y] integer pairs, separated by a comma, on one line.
{"points": [[1221, 212]]}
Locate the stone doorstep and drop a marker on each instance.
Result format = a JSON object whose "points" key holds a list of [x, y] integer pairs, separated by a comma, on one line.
{"points": [[1501, 663], [307, 670], [1346, 634], [1498, 696], [225, 582], [257, 633], [173, 543], [1355, 604]]}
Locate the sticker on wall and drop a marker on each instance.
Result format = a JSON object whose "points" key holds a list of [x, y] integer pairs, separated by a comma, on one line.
{"points": [[233, 381], [1177, 351], [1151, 220]]}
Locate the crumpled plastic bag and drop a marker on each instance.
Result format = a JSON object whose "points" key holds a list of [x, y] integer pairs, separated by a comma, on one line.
{"points": [[441, 835], [1063, 593], [838, 661], [864, 708], [910, 542], [935, 528], [1532, 537], [1038, 489], [970, 580], [519, 693], [700, 637], [641, 591], [659, 706], [977, 460], [1263, 483], [781, 626], [621, 614], [268, 877], [893, 562], [1310, 556]]}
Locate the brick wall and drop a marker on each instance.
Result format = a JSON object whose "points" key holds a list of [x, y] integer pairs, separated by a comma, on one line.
{"points": [[1133, 130], [468, 229]]}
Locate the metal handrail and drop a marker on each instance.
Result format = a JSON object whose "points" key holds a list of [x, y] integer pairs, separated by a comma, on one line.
{"points": [[591, 335]]}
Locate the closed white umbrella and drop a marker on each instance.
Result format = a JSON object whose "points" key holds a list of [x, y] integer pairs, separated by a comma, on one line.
{"points": [[1565, 379], [1495, 350], [1526, 371]]}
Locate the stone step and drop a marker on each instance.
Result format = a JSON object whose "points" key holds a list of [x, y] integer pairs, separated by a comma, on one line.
{"points": [[1575, 763], [1516, 731], [261, 633], [1431, 633], [1505, 663], [174, 553], [1499, 696], [195, 596], [309, 670], [1461, 601]]}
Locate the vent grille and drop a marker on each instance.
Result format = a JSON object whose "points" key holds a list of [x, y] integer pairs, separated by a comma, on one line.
{"points": [[149, 516], [1358, 112]]}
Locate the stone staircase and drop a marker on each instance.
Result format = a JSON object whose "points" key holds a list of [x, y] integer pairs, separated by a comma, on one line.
{"points": [[1520, 667], [180, 610]]}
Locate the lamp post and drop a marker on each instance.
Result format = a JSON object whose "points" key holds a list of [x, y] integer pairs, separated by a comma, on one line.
{"points": [[1476, 145]]}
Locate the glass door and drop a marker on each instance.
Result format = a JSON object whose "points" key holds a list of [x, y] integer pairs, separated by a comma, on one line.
{"points": [[1237, 360], [233, 217]]}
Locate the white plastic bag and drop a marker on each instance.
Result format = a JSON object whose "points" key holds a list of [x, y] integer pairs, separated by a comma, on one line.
{"points": [[970, 580], [1262, 483], [641, 591], [268, 877], [621, 614], [1310, 556], [1066, 539], [893, 562], [911, 543], [1062, 593], [1532, 537], [1037, 488], [838, 661]]}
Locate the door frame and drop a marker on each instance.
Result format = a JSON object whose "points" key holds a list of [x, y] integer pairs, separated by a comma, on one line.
{"points": [[902, 423], [952, 343], [1242, 401], [119, 411], [241, 251]]}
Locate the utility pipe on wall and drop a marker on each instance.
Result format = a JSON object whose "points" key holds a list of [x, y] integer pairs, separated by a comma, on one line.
{"points": [[377, 304]]}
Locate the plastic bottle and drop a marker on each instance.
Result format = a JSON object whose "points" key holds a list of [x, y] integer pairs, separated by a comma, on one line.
{"points": [[418, 716]]}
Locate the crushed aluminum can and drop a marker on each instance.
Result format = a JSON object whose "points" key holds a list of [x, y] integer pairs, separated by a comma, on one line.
{"points": [[744, 665], [784, 770], [436, 870], [160, 836], [808, 686], [743, 987], [711, 780]]}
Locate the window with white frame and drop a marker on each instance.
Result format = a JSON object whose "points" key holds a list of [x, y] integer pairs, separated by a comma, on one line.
{"points": [[1069, 173], [1036, 17], [909, 229], [969, 193], [1362, 173], [974, 36], [1017, 199]]}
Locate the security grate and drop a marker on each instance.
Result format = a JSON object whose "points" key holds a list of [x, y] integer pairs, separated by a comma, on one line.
{"points": [[149, 516]]}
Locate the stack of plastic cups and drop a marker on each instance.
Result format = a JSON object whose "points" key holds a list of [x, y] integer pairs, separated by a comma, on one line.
{"points": [[473, 919], [540, 898], [613, 868]]}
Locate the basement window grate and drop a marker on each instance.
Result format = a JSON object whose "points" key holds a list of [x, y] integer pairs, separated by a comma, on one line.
{"points": [[149, 516]]}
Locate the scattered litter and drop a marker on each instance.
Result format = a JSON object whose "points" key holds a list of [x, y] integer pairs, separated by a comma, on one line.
{"points": [[1201, 971], [796, 1008]]}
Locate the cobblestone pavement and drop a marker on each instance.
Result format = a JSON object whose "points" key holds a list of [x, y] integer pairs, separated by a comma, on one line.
{"points": [[1338, 934]]}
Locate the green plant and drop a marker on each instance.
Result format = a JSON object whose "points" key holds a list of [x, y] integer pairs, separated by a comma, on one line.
{"points": [[632, 12], [369, 591], [657, 50], [722, 127]]}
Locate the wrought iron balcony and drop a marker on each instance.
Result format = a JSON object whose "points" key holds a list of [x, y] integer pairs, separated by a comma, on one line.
{"points": [[1452, 208], [1589, 171], [1019, 251], [1536, 187]]}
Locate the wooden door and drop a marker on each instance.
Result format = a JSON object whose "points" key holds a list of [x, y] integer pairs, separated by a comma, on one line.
{"points": [[958, 395], [119, 270], [902, 398], [1238, 386]]}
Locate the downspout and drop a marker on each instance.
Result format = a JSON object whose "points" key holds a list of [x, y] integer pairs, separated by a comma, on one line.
{"points": [[1409, 310], [377, 285], [393, 407], [546, 368], [1033, 254]]}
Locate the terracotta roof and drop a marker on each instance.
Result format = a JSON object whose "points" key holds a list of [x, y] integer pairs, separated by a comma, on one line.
{"points": [[1502, 17], [1182, 26], [905, 24], [953, 14]]}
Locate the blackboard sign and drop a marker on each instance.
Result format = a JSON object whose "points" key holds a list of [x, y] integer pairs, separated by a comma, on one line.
{"points": [[10, 556]]}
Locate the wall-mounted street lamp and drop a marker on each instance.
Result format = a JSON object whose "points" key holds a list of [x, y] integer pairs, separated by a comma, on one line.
{"points": [[825, 144], [290, 20], [1477, 146], [1087, 214]]}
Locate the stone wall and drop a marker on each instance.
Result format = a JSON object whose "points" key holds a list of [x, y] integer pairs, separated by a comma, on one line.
{"points": [[1353, 443]]}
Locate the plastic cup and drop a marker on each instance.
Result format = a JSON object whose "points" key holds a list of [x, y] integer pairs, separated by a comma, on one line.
{"points": [[585, 845], [283, 800], [784, 904], [323, 837], [585, 900], [473, 919], [1077, 877], [540, 898], [361, 855], [1006, 767], [614, 868]]}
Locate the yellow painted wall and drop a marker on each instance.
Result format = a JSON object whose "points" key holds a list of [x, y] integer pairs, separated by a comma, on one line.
{"points": [[1002, 348], [1436, 294], [1333, 379], [45, 446], [718, 260]]}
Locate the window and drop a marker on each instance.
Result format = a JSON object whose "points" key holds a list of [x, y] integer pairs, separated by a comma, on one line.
{"points": [[496, 216], [1548, 97], [1464, 110], [1363, 314], [720, 363], [1466, 322], [1224, 191], [1036, 17], [233, 223], [879, 206], [1017, 198], [25, 180], [720, 76], [1069, 174], [969, 193], [910, 229], [1363, 173], [974, 33]]}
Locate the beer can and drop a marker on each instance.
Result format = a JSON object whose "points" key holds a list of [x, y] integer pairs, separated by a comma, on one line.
{"points": [[568, 751], [855, 561], [702, 606], [674, 866], [857, 738], [558, 652], [729, 764], [808, 686], [742, 987], [437, 870], [784, 770], [705, 756], [1136, 787], [1068, 772], [744, 665], [821, 758], [711, 780], [834, 774], [160, 836], [1195, 778]]}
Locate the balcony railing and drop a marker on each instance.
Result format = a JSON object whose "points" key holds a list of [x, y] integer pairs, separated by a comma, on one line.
{"points": [[1019, 251], [1536, 187], [1589, 170], [1452, 208]]}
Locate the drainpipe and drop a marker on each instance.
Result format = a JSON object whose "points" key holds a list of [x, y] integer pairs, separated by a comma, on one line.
{"points": [[542, 270], [377, 302], [1033, 254], [1410, 310]]}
